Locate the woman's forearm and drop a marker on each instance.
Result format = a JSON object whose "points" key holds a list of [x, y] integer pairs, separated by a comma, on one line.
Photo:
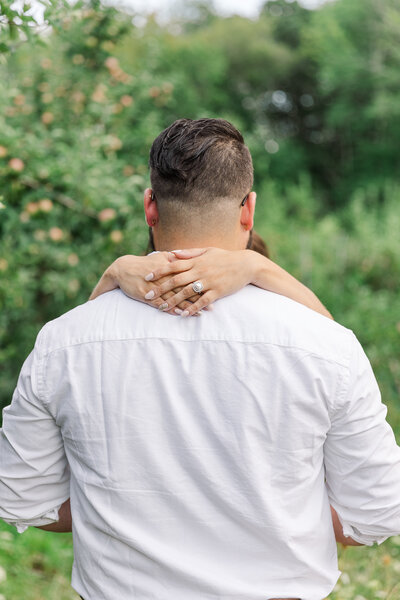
{"points": [[269, 276]]}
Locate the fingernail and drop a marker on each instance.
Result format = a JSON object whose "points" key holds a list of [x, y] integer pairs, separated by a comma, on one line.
{"points": [[163, 306], [176, 251], [178, 311], [185, 313], [149, 277], [149, 295]]}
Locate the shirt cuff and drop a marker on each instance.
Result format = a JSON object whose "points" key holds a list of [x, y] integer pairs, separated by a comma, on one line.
{"points": [[368, 539], [51, 516]]}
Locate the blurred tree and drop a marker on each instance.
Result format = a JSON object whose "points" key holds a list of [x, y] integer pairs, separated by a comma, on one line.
{"points": [[314, 93], [16, 24], [71, 195], [355, 48]]}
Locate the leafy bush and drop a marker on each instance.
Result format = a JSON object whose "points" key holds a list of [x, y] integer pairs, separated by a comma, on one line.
{"points": [[78, 115]]}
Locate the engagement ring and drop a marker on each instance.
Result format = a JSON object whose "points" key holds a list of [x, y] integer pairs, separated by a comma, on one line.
{"points": [[197, 287]]}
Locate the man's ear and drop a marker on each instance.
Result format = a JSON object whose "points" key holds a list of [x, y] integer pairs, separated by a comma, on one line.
{"points": [[247, 212], [150, 208]]}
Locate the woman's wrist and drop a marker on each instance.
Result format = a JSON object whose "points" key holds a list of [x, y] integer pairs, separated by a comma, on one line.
{"points": [[258, 268], [114, 272], [109, 280]]}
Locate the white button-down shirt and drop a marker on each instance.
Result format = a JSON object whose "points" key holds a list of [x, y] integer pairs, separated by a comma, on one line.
{"points": [[195, 451]]}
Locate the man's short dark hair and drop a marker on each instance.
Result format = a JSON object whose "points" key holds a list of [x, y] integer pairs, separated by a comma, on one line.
{"points": [[195, 162]]}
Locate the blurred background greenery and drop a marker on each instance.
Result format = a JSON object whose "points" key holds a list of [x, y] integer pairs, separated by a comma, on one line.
{"points": [[316, 96]]}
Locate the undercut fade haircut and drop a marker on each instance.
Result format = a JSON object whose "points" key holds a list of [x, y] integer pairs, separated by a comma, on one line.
{"points": [[194, 163]]}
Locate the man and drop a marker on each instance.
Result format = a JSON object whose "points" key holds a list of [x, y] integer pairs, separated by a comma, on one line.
{"points": [[200, 456]]}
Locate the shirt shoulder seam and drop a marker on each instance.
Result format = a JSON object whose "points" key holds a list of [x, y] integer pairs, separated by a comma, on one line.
{"points": [[42, 362], [345, 377], [232, 340]]}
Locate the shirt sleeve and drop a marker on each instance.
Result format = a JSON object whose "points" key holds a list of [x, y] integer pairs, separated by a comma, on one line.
{"points": [[34, 472], [362, 459]]}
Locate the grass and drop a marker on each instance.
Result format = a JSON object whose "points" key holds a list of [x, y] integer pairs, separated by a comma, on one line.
{"points": [[35, 565], [369, 573]]}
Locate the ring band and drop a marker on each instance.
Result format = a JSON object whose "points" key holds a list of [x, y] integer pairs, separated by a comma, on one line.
{"points": [[197, 287]]}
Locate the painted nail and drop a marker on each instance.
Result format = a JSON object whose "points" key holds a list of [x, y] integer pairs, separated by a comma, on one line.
{"points": [[163, 306], [178, 311], [149, 277], [149, 295], [185, 313]]}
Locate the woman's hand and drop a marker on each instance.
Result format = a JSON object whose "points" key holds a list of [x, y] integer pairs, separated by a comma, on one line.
{"points": [[222, 272], [128, 272]]}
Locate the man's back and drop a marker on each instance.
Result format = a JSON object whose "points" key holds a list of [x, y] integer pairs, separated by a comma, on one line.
{"points": [[196, 446]]}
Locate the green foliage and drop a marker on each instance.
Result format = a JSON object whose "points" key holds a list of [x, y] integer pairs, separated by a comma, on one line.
{"points": [[71, 195], [351, 260], [35, 565], [315, 94], [14, 24], [355, 48]]}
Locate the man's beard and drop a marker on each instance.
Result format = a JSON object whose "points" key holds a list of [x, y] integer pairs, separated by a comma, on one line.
{"points": [[150, 243]]}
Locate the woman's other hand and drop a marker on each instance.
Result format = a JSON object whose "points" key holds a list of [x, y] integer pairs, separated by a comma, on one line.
{"points": [[128, 273]]}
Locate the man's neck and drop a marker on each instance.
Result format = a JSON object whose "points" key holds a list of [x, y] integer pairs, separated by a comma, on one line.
{"points": [[167, 243]]}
